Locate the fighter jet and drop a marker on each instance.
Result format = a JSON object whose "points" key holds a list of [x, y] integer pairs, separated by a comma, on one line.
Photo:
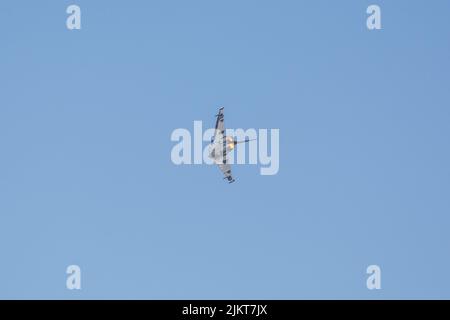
{"points": [[221, 145]]}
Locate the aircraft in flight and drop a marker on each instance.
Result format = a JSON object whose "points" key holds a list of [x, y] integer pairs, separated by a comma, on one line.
{"points": [[221, 145]]}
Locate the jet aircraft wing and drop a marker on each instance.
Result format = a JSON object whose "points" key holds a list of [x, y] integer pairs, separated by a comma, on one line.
{"points": [[220, 126], [219, 139], [226, 170]]}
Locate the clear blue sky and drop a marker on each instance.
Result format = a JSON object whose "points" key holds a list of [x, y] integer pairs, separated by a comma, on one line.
{"points": [[85, 170]]}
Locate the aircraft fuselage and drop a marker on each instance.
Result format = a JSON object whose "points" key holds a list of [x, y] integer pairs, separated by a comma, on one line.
{"points": [[217, 147]]}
